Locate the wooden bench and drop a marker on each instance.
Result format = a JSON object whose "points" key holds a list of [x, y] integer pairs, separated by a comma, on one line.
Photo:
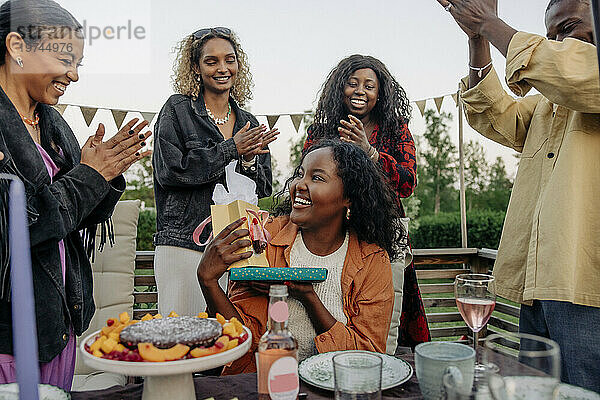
{"points": [[436, 270]]}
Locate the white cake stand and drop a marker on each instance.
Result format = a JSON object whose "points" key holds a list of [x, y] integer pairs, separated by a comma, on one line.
{"points": [[171, 380]]}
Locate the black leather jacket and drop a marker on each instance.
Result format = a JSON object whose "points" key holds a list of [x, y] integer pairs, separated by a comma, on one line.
{"points": [[189, 159], [78, 198]]}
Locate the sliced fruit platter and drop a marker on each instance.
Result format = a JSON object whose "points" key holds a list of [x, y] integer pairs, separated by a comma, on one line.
{"points": [[157, 339], [165, 351]]}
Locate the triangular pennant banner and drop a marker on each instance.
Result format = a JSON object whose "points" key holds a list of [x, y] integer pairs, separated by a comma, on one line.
{"points": [[455, 98], [119, 117], [148, 116], [88, 114], [297, 120], [60, 108], [438, 102], [421, 104], [272, 120]]}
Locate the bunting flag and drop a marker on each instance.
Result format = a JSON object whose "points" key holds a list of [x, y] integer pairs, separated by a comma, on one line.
{"points": [[148, 116], [438, 102], [119, 117], [272, 120], [297, 120], [88, 114], [421, 104], [60, 108]]}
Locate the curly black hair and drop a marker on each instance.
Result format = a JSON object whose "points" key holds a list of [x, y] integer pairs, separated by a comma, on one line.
{"points": [[375, 213], [392, 109]]}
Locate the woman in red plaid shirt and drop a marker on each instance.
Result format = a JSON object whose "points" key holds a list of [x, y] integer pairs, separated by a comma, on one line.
{"points": [[361, 103]]}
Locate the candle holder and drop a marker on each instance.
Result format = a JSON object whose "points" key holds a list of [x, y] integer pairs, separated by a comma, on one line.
{"points": [[22, 301]]}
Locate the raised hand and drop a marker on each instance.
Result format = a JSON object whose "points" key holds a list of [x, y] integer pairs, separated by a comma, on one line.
{"points": [[354, 132], [116, 155], [220, 253], [471, 14]]}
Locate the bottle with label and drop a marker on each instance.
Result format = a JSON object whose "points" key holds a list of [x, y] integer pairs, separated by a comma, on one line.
{"points": [[277, 355]]}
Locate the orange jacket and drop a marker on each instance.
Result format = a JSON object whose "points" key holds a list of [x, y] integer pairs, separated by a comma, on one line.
{"points": [[366, 287]]}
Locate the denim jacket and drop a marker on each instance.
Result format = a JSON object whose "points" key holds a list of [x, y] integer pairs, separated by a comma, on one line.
{"points": [[78, 198], [189, 159]]}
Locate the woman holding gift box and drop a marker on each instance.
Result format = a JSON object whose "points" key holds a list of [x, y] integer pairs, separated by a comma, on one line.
{"points": [[198, 133], [340, 215], [362, 103], [68, 189]]}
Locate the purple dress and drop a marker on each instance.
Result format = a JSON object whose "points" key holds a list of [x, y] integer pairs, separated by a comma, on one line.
{"points": [[59, 371]]}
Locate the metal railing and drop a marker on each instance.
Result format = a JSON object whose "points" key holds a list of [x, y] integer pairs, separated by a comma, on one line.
{"points": [[436, 270]]}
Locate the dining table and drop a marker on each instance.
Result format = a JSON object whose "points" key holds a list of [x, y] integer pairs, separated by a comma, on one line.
{"points": [[243, 387]]}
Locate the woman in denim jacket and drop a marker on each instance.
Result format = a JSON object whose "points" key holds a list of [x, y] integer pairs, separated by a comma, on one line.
{"points": [[198, 132], [67, 189]]}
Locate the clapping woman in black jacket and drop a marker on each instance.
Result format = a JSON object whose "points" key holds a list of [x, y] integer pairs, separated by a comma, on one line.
{"points": [[68, 189], [199, 131]]}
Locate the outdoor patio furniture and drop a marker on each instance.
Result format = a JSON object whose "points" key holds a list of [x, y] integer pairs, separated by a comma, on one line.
{"points": [[113, 289]]}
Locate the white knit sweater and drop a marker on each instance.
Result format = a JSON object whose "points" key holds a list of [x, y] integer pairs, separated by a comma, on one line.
{"points": [[328, 291]]}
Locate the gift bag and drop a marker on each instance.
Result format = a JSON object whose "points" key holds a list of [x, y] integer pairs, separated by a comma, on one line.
{"points": [[240, 201]]}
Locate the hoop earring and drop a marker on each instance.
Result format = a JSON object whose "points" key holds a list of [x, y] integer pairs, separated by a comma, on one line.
{"points": [[348, 214], [19, 61]]}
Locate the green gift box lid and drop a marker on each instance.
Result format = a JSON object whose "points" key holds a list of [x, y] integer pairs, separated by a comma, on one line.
{"points": [[281, 274]]}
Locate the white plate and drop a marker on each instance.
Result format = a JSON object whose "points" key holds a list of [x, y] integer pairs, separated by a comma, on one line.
{"points": [[318, 370], [146, 368], [10, 391], [530, 387], [570, 392]]}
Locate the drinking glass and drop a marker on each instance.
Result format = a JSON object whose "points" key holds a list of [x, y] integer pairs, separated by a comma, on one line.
{"points": [[357, 375], [528, 366], [475, 302]]}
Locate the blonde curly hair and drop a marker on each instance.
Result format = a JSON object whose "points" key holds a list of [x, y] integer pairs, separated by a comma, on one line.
{"points": [[185, 78]]}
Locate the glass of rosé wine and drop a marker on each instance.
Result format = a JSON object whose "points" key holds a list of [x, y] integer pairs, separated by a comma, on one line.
{"points": [[475, 300]]}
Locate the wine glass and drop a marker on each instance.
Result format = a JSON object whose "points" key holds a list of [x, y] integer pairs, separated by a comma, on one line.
{"points": [[475, 302], [527, 366]]}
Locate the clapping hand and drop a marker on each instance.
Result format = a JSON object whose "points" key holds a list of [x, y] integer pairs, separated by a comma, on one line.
{"points": [[116, 155], [252, 142], [354, 132], [471, 14]]}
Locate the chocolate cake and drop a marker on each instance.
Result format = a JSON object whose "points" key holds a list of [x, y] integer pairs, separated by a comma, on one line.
{"points": [[167, 332]]}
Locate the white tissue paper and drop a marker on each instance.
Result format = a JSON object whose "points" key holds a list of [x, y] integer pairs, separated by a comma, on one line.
{"points": [[240, 188]]}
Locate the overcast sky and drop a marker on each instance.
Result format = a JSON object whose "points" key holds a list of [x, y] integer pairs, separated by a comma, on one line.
{"points": [[292, 45]]}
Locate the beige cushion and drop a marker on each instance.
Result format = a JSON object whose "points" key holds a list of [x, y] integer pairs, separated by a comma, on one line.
{"points": [[113, 283]]}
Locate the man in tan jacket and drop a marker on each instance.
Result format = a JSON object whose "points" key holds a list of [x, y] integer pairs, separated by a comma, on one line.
{"points": [[549, 253]]}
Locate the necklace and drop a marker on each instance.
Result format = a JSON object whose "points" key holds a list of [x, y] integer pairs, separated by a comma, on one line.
{"points": [[31, 122], [218, 121]]}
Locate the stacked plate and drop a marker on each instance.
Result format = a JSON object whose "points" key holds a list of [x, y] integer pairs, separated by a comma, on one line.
{"points": [[318, 370]]}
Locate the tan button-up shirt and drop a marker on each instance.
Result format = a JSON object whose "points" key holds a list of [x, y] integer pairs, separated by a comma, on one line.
{"points": [[550, 245]]}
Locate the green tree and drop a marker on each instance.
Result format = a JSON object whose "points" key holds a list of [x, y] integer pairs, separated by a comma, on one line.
{"points": [[277, 175], [139, 183], [437, 165], [297, 143], [499, 187], [477, 173]]}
